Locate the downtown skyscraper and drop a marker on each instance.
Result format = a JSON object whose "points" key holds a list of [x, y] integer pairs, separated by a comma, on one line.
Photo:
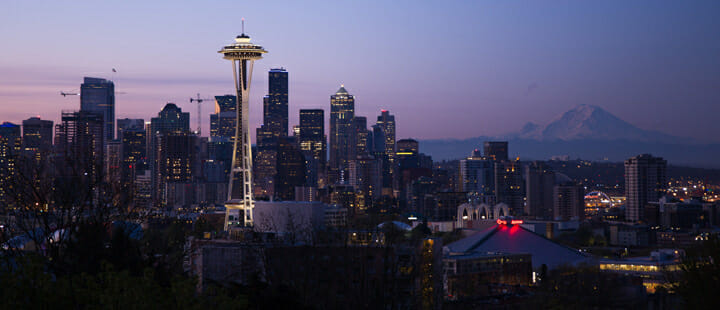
{"points": [[386, 123], [313, 144], [79, 143], [342, 112], [275, 104], [37, 138], [223, 122], [98, 96], [168, 132], [10, 146], [274, 128]]}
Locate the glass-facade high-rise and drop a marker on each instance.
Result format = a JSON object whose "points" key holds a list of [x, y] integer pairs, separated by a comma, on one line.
{"points": [[386, 122], [274, 127], [360, 136], [275, 104], [37, 137], [133, 155], [10, 144], [98, 96], [312, 141], [223, 124], [290, 169], [170, 121], [342, 112], [223, 121]]}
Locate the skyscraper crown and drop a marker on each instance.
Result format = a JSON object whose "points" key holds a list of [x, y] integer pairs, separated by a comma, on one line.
{"points": [[342, 91]]}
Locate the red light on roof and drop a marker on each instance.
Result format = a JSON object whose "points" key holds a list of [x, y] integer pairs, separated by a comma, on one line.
{"points": [[383, 111]]}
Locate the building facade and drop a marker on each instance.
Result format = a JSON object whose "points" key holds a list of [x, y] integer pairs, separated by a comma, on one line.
{"points": [[313, 144], [496, 150], [645, 181], [539, 182], [342, 112], [98, 96]]}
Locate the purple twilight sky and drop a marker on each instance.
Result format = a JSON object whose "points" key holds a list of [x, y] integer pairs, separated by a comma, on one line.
{"points": [[445, 69]]}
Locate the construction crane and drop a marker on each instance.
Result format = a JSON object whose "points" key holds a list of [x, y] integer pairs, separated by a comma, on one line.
{"points": [[199, 117], [65, 94]]}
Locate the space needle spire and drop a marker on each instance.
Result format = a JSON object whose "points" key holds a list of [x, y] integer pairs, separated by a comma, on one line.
{"points": [[242, 54]]}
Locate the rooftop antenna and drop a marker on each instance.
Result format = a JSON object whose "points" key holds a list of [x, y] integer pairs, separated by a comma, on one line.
{"points": [[243, 25]]}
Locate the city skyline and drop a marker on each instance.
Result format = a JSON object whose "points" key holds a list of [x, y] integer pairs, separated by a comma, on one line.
{"points": [[653, 66], [409, 155]]}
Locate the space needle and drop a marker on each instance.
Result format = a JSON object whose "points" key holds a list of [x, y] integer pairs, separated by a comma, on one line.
{"points": [[243, 54]]}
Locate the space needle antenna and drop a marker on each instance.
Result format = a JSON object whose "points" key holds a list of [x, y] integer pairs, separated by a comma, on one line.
{"points": [[242, 55]]}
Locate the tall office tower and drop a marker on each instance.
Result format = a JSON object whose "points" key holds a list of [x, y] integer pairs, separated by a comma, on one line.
{"points": [[113, 160], [275, 127], [342, 112], [10, 147], [98, 95], [539, 182], [313, 144], [645, 181], [360, 135], [290, 169], [386, 122], [222, 131], [124, 124], [171, 119], [242, 54], [224, 120], [477, 178], [509, 186], [79, 144], [366, 178], [569, 201], [175, 154], [265, 163], [377, 147], [275, 104], [134, 155], [37, 145], [37, 138], [496, 150]]}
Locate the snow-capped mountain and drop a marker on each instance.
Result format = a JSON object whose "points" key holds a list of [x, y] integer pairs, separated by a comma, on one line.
{"points": [[590, 122]]}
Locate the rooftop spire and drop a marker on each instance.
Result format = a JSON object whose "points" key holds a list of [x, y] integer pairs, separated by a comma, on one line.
{"points": [[342, 90]]}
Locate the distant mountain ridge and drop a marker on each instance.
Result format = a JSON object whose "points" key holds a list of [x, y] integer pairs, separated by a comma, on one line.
{"points": [[587, 132], [590, 122]]}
